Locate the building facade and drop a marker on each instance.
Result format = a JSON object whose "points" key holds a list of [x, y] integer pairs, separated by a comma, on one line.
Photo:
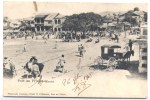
{"points": [[39, 22], [48, 22], [142, 42], [53, 22]]}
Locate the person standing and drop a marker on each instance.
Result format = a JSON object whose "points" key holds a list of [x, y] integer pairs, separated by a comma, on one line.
{"points": [[60, 64], [25, 35], [48, 35], [9, 66], [81, 49], [5, 64], [45, 40], [24, 49], [116, 37], [130, 44]]}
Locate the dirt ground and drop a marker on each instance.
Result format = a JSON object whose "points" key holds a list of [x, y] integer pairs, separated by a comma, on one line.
{"points": [[78, 80]]}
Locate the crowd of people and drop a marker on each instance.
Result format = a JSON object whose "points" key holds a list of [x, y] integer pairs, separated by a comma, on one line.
{"points": [[68, 35]]}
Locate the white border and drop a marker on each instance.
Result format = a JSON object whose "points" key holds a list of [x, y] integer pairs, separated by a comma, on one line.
{"points": [[102, 1]]}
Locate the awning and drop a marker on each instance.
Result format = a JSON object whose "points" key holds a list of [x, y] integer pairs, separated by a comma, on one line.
{"points": [[115, 46], [111, 46]]}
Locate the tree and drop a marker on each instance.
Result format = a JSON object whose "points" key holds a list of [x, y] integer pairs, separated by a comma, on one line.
{"points": [[136, 9], [82, 22]]}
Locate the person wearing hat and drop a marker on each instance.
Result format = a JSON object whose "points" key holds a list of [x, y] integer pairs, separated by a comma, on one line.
{"points": [[9, 66], [5, 62], [35, 69], [32, 67], [81, 50], [130, 44], [60, 64]]}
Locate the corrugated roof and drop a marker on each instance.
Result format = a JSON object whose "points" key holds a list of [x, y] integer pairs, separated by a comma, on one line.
{"points": [[122, 13], [60, 16], [112, 24], [41, 15], [51, 16], [111, 46], [138, 13], [121, 18], [104, 25]]}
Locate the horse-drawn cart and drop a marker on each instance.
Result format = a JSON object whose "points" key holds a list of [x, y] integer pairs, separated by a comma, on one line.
{"points": [[109, 57]]}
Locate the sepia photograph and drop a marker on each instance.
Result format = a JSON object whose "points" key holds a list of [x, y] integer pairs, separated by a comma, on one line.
{"points": [[75, 49]]}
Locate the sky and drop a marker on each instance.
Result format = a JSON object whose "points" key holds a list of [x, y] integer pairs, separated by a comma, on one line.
{"points": [[24, 9]]}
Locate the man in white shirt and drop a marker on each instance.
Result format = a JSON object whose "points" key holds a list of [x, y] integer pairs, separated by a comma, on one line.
{"points": [[60, 65]]}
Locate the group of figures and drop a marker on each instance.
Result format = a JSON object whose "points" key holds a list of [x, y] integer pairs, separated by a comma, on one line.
{"points": [[8, 68], [32, 68]]}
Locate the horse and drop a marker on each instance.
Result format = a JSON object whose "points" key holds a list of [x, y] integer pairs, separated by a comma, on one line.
{"points": [[114, 37], [34, 68], [128, 55]]}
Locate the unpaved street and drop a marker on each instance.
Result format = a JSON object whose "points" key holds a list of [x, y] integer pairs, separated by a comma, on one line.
{"points": [[78, 79]]}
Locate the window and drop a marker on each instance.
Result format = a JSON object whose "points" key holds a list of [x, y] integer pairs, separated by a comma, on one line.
{"points": [[144, 57], [59, 21], [144, 31], [42, 20], [144, 50], [42, 28], [115, 50], [50, 22], [55, 21], [32, 22], [55, 29], [59, 29], [105, 50], [38, 21], [38, 28], [144, 65]]}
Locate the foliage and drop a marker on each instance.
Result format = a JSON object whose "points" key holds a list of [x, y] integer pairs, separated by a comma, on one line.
{"points": [[136, 9], [82, 22]]}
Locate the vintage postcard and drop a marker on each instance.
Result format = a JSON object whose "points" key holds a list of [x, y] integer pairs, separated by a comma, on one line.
{"points": [[75, 49]]}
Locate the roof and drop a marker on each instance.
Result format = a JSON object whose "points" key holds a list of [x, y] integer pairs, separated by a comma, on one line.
{"points": [[111, 24], [121, 18], [111, 46], [122, 13], [144, 26], [29, 19], [41, 15], [60, 16], [15, 24], [104, 25], [127, 23], [51, 16], [138, 13], [103, 14], [16, 31]]}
